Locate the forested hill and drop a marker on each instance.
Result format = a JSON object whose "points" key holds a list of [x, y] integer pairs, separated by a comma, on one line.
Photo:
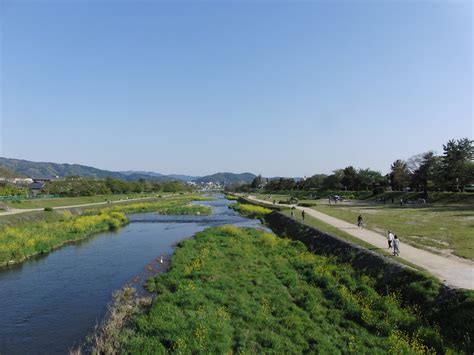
{"points": [[51, 170], [227, 178], [8, 173]]}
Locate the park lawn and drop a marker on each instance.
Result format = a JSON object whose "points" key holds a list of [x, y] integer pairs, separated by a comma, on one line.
{"points": [[233, 290], [272, 197], [327, 228], [440, 228], [280, 197]]}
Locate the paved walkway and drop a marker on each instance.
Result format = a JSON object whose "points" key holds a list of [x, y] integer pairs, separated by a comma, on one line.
{"points": [[26, 210], [454, 272]]}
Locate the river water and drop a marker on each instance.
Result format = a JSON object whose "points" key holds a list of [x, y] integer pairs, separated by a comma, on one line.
{"points": [[49, 304]]}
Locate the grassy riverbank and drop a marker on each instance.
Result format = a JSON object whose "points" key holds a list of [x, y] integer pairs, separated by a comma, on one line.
{"points": [[71, 201], [243, 290], [249, 210], [49, 230], [439, 228], [444, 226]]}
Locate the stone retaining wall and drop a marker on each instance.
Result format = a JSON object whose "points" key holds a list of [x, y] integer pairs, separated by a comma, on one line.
{"points": [[452, 309]]}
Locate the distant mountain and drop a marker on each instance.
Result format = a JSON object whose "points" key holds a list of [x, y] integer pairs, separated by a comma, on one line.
{"points": [[171, 176], [183, 177], [9, 174], [149, 173], [226, 178], [51, 170]]}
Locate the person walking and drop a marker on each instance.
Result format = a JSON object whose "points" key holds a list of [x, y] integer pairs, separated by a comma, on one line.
{"points": [[396, 246], [360, 221], [390, 239], [292, 214], [302, 214]]}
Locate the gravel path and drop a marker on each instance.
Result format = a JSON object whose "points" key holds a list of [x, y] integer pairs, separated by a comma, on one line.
{"points": [[26, 210], [453, 271]]}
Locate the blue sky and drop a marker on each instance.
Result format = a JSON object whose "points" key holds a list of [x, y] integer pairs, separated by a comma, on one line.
{"points": [[277, 88]]}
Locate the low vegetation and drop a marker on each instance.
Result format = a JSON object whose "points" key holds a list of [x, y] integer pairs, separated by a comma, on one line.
{"points": [[83, 186], [72, 201], [442, 228], [18, 242], [176, 206], [249, 210], [234, 290]]}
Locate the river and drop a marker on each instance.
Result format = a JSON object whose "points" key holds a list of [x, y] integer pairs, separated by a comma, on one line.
{"points": [[49, 304]]}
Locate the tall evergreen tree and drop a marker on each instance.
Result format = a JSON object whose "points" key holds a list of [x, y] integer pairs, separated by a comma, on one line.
{"points": [[400, 175], [456, 163]]}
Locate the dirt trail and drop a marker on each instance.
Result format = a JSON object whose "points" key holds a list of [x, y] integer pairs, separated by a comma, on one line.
{"points": [[452, 271], [26, 210]]}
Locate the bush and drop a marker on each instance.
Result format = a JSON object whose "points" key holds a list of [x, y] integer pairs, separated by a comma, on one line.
{"points": [[307, 204], [252, 211], [48, 209]]}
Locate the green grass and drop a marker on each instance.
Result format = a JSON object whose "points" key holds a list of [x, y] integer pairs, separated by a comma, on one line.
{"points": [[234, 290], [444, 226], [432, 227], [252, 211], [327, 228], [23, 219], [19, 243], [71, 201], [25, 235]]}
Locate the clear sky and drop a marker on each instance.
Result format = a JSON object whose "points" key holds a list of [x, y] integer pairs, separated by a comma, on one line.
{"points": [[277, 88]]}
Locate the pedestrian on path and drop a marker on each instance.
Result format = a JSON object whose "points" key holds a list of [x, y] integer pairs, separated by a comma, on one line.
{"points": [[390, 239], [360, 221], [302, 214], [396, 246], [292, 213]]}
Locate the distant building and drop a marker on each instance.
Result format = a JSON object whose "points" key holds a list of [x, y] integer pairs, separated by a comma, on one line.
{"points": [[16, 181], [36, 187]]}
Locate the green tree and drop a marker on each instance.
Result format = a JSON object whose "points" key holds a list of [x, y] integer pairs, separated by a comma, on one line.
{"points": [[369, 179], [314, 182], [456, 163], [424, 169], [349, 178], [333, 181], [257, 182], [400, 175]]}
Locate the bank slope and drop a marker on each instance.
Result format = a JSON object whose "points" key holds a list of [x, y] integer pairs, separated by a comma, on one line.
{"points": [[243, 290]]}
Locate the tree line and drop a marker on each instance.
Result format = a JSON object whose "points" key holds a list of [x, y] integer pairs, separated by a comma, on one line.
{"points": [[451, 171], [81, 186]]}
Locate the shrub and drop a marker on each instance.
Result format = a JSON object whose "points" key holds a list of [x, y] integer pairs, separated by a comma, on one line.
{"points": [[252, 211], [48, 209], [307, 204]]}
